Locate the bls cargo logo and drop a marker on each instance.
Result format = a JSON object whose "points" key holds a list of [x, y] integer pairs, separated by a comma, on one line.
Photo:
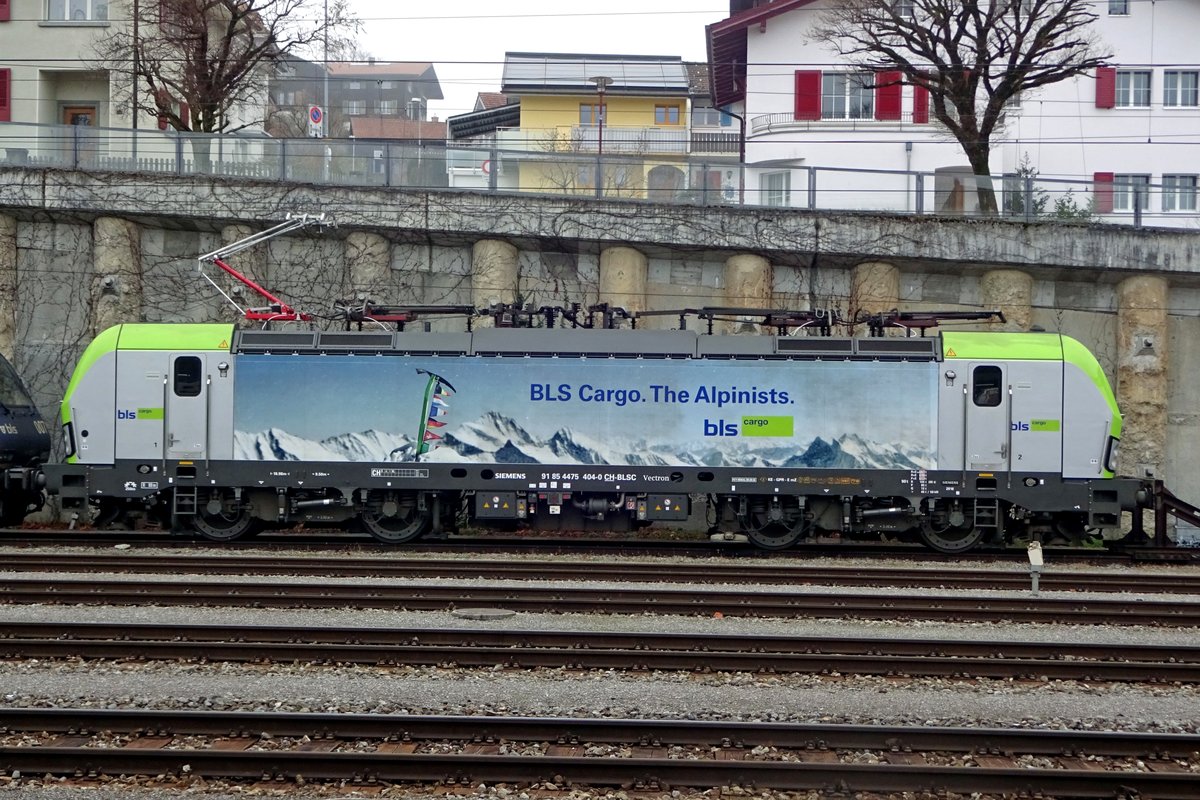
{"points": [[750, 426], [1045, 425], [140, 413]]}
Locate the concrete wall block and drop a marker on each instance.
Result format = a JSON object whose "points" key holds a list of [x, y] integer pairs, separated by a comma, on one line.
{"points": [[1010, 291], [117, 268], [369, 258], [748, 281], [874, 287], [1142, 363], [623, 273], [495, 273], [8, 286]]}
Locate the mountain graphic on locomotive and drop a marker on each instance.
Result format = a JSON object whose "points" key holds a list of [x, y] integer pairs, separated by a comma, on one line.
{"points": [[953, 440]]}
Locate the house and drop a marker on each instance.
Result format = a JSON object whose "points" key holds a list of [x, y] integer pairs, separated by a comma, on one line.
{"points": [[616, 125], [62, 66], [57, 65], [1111, 137], [380, 89]]}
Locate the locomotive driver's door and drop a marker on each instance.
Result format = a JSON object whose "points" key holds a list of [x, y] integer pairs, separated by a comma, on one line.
{"points": [[186, 435], [988, 419]]}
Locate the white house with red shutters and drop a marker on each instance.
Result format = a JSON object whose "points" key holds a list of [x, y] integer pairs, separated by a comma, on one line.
{"points": [[1130, 133]]}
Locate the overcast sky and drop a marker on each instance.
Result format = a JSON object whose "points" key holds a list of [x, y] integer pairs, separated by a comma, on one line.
{"points": [[466, 40]]}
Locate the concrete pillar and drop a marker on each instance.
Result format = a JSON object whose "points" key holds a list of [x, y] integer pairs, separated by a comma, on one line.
{"points": [[874, 287], [623, 272], [369, 257], [748, 282], [8, 286], [1142, 373], [117, 266], [1010, 291], [494, 272]]}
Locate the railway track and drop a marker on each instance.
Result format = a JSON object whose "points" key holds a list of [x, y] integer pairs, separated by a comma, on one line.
{"points": [[340, 541], [565, 599], [604, 650], [707, 572], [561, 753]]}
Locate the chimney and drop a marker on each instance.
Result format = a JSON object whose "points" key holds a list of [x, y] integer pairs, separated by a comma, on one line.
{"points": [[371, 60], [433, 118]]}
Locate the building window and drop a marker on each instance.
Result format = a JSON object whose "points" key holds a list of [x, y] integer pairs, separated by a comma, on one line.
{"points": [[1180, 88], [1118, 8], [666, 115], [844, 96], [903, 8], [777, 189], [709, 117], [354, 85], [1127, 189], [388, 107], [385, 84], [416, 108], [76, 10], [355, 107], [1179, 193], [589, 113], [1133, 88]]}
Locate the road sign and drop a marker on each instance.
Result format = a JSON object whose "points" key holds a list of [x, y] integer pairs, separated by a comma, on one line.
{"points": [[316, 116]]}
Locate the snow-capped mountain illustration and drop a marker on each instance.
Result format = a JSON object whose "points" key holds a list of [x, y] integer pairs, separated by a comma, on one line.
{"points": [[496, 438]]}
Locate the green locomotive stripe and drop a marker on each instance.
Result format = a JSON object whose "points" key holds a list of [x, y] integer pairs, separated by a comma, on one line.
{"points": [[176, 336], [149, 413], [1048, 425], [1002, 346]]}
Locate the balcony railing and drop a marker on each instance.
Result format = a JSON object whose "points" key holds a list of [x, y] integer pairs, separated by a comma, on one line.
{"points": [[514, 163]]}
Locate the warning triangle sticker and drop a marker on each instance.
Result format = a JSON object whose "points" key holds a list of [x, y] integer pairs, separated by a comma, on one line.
{"points": [[224, 345], [951, 354]]}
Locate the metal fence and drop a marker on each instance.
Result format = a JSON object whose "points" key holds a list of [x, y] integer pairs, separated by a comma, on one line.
{"points": [[712, 179]]}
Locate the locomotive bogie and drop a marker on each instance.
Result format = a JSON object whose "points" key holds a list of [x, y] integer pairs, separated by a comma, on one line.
{"points": [[956, 441]]}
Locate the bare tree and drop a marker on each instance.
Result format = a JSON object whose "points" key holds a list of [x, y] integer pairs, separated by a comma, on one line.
{"points": [[972, 56], [204, 65]]}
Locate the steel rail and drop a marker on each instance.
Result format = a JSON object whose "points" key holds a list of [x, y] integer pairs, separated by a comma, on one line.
{"points": [[603, 650], [733, 739], [340, 541], [812, 604], [658, 572]]}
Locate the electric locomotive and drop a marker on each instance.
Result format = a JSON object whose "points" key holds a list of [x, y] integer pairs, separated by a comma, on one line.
{"points": [[24, 447], [954, 440]]}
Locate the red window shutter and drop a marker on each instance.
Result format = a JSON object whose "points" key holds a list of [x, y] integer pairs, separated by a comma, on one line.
{"points": [[5, 13], [920, 104], [5, 95], [808, 94], [887, 94], [1106, 87], [1102, 189]]}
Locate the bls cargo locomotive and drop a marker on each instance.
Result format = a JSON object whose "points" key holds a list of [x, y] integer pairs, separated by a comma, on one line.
{"points": [[24, 448], [952, 440]]}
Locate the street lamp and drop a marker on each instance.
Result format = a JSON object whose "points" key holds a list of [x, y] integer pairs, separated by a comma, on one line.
{"points": [[602, 82]]}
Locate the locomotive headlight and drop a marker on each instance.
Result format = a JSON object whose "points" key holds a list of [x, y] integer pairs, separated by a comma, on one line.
{"points": [[144, 469], [223, 368], [1114, 452], [950, 376]]}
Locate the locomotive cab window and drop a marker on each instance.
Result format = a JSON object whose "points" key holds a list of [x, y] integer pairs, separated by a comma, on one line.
{"points": [[188, 376], [988, 383]]}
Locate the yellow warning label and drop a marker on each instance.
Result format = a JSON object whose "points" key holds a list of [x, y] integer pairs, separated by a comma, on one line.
{"points": [[224, 345], [951, 354]]}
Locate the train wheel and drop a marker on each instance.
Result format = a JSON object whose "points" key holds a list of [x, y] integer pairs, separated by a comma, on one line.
{"points": [[951, 538], [222, 521], [397, 520], [774, 527]]}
